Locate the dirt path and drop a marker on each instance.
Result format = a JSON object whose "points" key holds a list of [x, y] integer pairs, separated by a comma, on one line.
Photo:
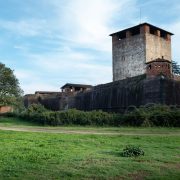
{"points": [[48, 130], [95, 132]]}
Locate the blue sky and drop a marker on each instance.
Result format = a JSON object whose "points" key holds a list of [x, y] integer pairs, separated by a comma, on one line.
{"points": [[51, 42]]}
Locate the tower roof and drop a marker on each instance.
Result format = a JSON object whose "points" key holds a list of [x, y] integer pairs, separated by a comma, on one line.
{"points": [[140, 25]]}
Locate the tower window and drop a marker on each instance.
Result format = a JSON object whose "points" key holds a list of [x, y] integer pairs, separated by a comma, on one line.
{"points": [[122, 35], [152, 30], [135, 31], [163, 34], [149, 67]]}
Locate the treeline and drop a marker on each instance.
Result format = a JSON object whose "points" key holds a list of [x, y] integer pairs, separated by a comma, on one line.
{"points": [[147, 116]]}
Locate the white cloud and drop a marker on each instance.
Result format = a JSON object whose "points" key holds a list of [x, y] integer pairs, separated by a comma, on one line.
{"points": [[34, 86], [55, 73], [28, 27], [31, 81], [89, 22], [79, 24]]}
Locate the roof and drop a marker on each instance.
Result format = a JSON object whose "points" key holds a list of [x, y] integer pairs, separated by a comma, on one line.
{"points": [[76, 85], [131, 28], [46, 92], [159, 60]]}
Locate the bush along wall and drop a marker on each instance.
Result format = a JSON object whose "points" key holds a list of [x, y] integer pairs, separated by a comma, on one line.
{"points": [[153, 115]]}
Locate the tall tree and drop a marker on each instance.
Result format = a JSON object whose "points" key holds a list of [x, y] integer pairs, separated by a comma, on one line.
{"points": [[175, 68], [10, 91]]}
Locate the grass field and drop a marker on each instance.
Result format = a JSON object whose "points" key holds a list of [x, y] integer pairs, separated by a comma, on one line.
{"points": [[38, 155]]}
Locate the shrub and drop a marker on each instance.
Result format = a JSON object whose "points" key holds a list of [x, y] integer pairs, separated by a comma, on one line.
{"points": [[131, 108], [134, 118], [161, 118], [132, 151], [146, 116], [36, 108]]}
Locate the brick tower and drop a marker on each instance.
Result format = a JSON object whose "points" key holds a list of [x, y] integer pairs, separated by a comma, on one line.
{"points": [[137, 47]]}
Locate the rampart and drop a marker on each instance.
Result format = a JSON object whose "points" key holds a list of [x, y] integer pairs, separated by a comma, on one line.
{"points": [[137, 91], [115, 96]]}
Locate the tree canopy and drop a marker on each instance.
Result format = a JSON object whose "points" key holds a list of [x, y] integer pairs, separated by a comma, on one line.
{"points": [[10, 90], [175, 68]]}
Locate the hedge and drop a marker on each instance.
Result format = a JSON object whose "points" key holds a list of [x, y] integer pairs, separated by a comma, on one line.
{"points": [[154, 115]]}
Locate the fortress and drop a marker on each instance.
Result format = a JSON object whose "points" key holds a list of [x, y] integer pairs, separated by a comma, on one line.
{"points": [[142, 74]]}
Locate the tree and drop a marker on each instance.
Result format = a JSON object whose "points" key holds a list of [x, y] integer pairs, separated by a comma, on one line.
{"points": [[10, 91], [175, 68]]}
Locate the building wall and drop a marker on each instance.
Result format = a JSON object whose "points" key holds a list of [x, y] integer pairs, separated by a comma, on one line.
{"points": [[157, 47], [128, 57], [156, 68], [5, 109]]}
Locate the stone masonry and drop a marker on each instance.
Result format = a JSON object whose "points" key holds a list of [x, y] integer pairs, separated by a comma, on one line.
{"points": [[132, 48]]}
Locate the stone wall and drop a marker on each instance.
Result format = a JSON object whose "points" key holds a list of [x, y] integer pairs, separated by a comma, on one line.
{"points": [[52, 102], [137, 91], [128, 57], [116, 96], [157, 47]]}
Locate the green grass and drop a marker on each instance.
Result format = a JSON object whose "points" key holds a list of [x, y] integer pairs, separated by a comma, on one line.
{"points": [[30, 155], [11, 121], [15, 122]]}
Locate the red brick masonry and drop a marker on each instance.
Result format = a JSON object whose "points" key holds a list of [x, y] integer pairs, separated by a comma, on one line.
{"points": [[159, 66], [5, 109]]}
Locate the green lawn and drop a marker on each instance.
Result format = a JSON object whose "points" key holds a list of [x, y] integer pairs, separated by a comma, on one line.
{"points": [[32, 155], [4, 121]]}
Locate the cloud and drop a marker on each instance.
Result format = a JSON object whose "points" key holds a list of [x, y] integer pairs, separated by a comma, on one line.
{"points": [[31, 81], [55, 73], [27, 27], [78, 48], [88, 23]]}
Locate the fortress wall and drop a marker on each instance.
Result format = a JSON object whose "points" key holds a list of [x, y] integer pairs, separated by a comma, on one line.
{"points": [[117, 96], [30, 99], [172, 92], [52, 102]]}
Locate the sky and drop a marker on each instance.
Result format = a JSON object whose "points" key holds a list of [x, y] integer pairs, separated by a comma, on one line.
{"points": [[52, 42]]}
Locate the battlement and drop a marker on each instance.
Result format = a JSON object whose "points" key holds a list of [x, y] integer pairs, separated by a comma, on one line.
{"points": [[142, 29]]}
